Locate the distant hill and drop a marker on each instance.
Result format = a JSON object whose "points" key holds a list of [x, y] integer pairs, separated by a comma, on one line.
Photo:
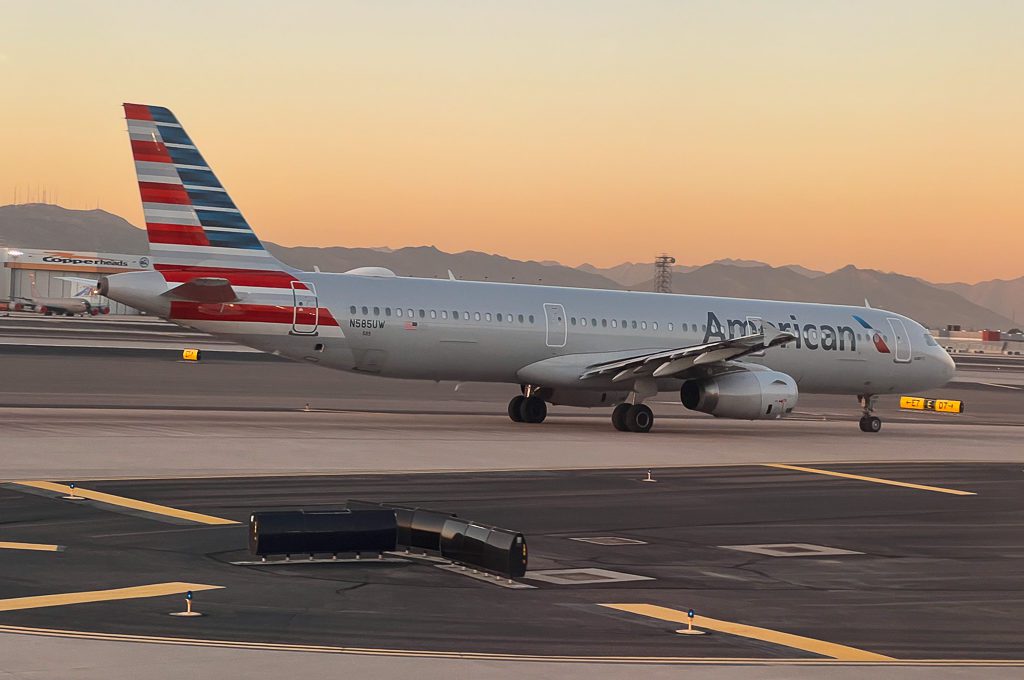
{"points": [[984, 305], [926, 303], [999, 295], [635, 274], [37, 225]]}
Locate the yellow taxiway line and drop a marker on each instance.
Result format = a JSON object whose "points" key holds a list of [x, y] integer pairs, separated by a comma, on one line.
{"points": [[123, 502], [42, 547], [60, 599], [829, 649], [876, 480]]}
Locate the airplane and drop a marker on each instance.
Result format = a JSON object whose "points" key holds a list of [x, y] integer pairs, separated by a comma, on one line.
{"points": [[83, 301], [731, 358]]}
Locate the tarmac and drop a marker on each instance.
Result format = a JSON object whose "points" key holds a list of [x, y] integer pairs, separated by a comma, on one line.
{"points": [[920, 573]]}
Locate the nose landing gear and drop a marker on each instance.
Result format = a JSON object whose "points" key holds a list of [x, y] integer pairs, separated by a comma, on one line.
{"points": [[869, 422]]}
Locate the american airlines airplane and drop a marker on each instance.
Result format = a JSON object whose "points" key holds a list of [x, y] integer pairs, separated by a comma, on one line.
{"points": [[731, 358]]}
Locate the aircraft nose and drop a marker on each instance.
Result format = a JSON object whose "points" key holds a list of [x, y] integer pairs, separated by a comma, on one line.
{"points": [[948, 366]]}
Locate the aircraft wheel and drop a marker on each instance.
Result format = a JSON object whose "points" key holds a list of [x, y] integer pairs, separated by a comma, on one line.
{"points": [[619, 417], [515, 408], [639, 418], [533, 410], [870, 424]]}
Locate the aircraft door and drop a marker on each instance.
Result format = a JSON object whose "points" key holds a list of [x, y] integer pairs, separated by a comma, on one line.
{"points": [[902, 340], [305, 308], [557, 329]]}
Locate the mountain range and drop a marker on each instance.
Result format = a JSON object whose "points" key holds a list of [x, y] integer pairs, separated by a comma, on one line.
{"points": [[990, 304]]}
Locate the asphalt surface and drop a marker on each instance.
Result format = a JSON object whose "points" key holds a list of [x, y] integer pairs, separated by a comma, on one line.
{"points": [[88, 400], [937, 577]]}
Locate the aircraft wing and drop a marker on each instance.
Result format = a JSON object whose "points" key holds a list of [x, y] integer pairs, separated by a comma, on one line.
{"points": [[667, 363], [204, 289]]}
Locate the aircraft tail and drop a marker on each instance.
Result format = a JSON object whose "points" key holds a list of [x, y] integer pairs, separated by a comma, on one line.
{"points": [[191, 220]]}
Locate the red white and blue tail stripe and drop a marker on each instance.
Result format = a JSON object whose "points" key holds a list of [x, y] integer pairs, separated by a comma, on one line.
{"points": [[190, 218]]}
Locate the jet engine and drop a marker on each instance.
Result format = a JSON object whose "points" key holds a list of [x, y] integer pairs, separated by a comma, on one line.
{"points": [[744, 395]]}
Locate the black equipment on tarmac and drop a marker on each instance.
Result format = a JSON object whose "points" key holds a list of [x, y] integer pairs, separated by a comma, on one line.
{"points": [[338, 531]]}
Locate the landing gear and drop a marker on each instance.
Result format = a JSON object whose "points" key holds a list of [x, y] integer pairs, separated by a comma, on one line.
{"points": [[632, 418], [639, 418], [515, 408], [527, 409], [619, 417], [869, 422]]}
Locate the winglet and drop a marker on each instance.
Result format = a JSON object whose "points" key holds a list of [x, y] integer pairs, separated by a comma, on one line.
{"points": [[770, 332]]}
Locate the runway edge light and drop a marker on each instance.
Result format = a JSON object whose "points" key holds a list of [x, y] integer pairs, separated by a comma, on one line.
{"points": [[928, 404], [190, 354]]}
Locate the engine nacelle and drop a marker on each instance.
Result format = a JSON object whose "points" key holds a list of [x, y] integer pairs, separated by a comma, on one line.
{"points": [[744, 395]]}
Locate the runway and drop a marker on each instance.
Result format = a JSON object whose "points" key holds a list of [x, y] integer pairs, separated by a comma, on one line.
{"points": [[920, 574]]}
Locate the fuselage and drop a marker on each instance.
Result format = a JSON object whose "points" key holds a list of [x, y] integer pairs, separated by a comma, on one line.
{"points": [[439, 329]]}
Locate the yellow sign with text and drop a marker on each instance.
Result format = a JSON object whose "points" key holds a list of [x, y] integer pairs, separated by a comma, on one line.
{"points": [[190, 355], [937, 405]]}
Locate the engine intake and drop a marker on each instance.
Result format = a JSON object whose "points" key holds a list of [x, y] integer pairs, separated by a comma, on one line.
{"points": [[745, 395]]}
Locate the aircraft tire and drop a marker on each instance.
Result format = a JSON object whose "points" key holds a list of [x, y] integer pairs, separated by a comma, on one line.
{"points": [[639, 418], [619, 417], [533, 410], [515, 408], [870, 424]]}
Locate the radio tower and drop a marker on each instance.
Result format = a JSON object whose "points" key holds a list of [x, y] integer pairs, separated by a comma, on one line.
{"points": [[663, 273]]}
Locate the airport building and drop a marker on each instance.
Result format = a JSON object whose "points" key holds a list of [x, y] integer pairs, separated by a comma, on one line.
{"points": [[22, 267]]}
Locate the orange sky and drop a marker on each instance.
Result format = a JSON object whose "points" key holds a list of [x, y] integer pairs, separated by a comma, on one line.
{"points": [[887, 135]]}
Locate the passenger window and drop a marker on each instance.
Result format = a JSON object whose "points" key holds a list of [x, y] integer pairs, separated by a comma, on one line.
{"points": [[508, 317], [643, 325], [433, 313], [398, 311], [444, 314], [423, 313], [593, 322], [455, 315], [615, 324], [522, 318], [476, 316], [531, 318], [365, 311], [655, 325], [410, 313], [703, 327], [352, 309], [498, 317], [376, 311], [669, 326], [583, 321], [634, 324], [572, 320], [604, 323], [387, 311], [487, 316]]}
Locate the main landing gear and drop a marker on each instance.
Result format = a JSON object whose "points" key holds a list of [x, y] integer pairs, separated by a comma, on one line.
{"points": [[869, 422], [531, 409], [633, 418]]}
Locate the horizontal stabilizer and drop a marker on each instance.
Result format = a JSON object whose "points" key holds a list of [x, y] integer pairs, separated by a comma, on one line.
{"points": [[204, 289]]}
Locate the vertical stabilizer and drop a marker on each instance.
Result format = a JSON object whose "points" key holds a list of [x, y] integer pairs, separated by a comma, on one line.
{"points": [[190, 218]]}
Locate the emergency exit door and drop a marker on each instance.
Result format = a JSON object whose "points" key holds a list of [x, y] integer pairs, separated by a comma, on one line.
{"points": [[305, 308], [557, 329]]}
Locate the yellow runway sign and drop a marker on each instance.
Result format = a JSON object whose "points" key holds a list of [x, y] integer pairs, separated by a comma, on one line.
{"points": [[926, 404]]}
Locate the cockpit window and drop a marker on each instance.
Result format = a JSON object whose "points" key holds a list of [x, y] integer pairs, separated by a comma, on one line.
{"points": [[929, 340]]}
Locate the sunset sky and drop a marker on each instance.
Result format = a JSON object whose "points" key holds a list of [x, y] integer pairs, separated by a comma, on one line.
{"points": [[884, 134]]}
